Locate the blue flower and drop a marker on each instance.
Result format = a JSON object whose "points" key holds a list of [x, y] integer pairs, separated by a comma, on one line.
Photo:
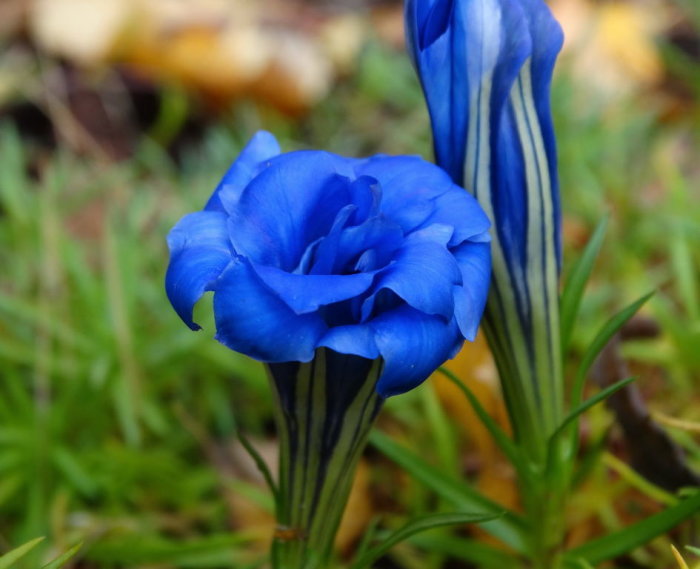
{"points": [[383, 257], [485, 67]]}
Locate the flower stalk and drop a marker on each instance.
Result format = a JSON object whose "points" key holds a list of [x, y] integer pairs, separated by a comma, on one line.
{"points": [[325, 409]]}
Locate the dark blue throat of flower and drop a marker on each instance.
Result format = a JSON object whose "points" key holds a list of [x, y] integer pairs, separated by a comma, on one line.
{"points": [[357, 239], [326, 409]]}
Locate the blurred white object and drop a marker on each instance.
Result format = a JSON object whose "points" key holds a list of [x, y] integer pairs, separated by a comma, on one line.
{"points": [[281, 52]]}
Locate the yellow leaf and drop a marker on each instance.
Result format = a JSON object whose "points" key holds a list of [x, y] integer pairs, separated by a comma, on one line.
{"points": [[681, 562]]}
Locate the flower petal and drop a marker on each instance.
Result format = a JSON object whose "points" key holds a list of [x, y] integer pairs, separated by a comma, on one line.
{"points": [[366, 194], [527, 141], [413, 345], [199, 252], [356, 339], [321, 257], [369, 246], [251, 160], [289, 205], [474, 262], [422, 274], [251, 319], [409, 186], [307, 293], [460, 210]]}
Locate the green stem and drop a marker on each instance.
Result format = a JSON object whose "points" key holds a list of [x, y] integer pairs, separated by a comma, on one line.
{"points": [[545, 506], [325, 409]]}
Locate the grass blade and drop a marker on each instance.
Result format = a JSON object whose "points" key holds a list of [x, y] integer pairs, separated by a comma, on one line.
{"points": [[8, 560], [573, 291], [415, 526], [609, 329], [63, 559], [508, 528], [504, 442], [586, 405], [618, 543], [477, 553]]}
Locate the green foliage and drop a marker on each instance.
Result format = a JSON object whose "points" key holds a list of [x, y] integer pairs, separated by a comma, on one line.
{"points": [[618, 543], [415, 526], [97, 371], [601, 339], [9, 559], [572, 294], [504, 442], [508, 528]]}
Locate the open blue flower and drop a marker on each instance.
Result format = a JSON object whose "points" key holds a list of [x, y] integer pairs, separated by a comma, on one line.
{"points": [[383, 257], [485, 67]]}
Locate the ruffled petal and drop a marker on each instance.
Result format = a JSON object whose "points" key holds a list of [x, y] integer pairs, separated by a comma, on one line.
{"points": [[253, 320], [459, 209], [356, 339], [323, 253], [413, 345], [199, 252], [369, 246], [288, 206], [307, 293], [423, 274], [409, 187], [253, 158], [366, 195], [474, 262]]}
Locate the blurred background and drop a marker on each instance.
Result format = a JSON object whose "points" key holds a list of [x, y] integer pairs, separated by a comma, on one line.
{"points": [[118, 424]]}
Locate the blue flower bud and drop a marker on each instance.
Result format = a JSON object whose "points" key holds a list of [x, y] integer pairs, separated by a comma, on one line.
{"points": [[485, 67]]}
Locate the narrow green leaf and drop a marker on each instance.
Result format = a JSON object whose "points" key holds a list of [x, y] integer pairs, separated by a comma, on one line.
{"points": [[415, 526], [695, 550], [258, 495], [259, 462], [367, 537], [15, 196], [586, 405], [477, 553], [74, 472], [581, 564], [504, 442], [11, 557], [212, 551], [63, 559], [618, 543], [636, 481], [685, 273], [509, 528], [573, 291], [442, 431], [608, 330]]}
